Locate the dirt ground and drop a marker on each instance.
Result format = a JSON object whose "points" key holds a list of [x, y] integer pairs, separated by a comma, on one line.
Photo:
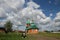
{"points": [[46, 38], [39, 37]]}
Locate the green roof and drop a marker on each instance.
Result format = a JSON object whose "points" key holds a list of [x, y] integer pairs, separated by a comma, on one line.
{"points": [[33, 26], [28, 22]]}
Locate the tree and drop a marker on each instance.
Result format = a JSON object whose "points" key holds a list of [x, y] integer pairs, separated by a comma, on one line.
{"points": [[8, 26]]}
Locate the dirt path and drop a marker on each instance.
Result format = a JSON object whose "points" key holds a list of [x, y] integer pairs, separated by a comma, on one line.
{"points": [[38, 37], [46, 38]]}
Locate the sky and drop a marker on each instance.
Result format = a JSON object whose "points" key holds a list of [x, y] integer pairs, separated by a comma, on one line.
{"points": [[49, 6], [46, 13]]}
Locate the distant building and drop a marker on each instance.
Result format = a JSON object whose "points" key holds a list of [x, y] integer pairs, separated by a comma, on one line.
{"points": [[2, 29], [31, 28]]}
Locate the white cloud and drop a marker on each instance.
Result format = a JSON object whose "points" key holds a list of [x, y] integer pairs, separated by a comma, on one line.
{"points": [[2, 12], [45, 21], [57, 18], [32, 4], [11, 9], [32, 12], [20, 16], [37, 15], [15, 3], [51, 14], [56, 22]]}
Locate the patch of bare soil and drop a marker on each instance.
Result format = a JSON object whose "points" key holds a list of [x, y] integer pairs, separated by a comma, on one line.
{"points": [[38, 37]]}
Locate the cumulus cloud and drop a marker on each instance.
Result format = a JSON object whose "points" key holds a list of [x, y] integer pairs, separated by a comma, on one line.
{"points": [[51, 14], [39, 17], [13, 10], [45, 21], [9, 9], [57, 20], [15, 3], [57, 16], [32, 4], [2, 13]]}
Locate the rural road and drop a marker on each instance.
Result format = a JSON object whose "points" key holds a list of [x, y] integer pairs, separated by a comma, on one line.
{"points": [[39, 37], [46, 38]]}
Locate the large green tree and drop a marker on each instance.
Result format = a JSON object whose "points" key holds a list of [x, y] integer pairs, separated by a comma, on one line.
{"points": [[8, 26]]}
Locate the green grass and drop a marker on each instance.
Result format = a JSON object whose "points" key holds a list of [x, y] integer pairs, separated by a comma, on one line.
{"points": [[15, 36], [55, 35]]}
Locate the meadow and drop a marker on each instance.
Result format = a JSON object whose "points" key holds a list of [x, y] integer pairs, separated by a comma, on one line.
{"points": [[39, 36]]}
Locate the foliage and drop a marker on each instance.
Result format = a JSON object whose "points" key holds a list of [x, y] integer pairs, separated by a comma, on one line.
{"points": [[8, 26], [47, 31]]}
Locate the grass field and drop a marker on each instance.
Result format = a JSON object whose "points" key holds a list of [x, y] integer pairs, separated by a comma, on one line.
{"points": [[40, 36]]}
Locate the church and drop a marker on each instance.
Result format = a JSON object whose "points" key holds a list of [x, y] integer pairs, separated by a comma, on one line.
{"points": [[31, 28]]}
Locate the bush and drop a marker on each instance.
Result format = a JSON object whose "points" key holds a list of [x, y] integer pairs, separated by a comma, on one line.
{"points": [[47, 31]]}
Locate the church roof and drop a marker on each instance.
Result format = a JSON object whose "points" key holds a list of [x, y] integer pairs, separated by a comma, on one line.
{"points": [[28, 22], [33, 26]]}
